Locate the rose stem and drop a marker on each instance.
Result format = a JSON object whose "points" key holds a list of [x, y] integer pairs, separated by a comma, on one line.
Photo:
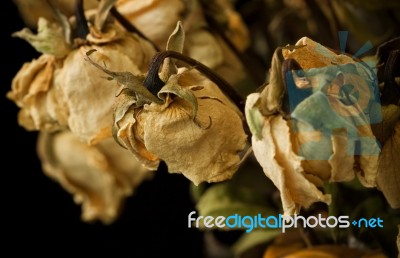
{"points": [[82, 26], [153, 82], [129, 26]]}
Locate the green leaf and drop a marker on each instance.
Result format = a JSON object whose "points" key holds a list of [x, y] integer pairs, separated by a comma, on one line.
{"points": [[252, 239], [226, 199]]}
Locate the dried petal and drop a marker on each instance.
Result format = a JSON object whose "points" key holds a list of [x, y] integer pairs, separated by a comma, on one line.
{"points": [[42, 106], [100, 176], [32, 10], [71, 93], [274, 153], [157, 18], [215, 129]]}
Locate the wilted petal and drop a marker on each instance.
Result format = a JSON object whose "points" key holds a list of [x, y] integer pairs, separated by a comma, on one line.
{"points": [[274, 153], [89, 96], [42, 107], [100, 176], [197, 131], [204, 147]]}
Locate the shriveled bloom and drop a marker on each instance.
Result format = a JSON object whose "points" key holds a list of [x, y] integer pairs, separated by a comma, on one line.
{"points": [[157, 18], [99, 176], [32, 10], [60, 90], [71, 103], [190, 124], [310, 122]]}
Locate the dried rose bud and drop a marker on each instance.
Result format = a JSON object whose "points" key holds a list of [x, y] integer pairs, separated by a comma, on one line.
{"points": [[32, 10], [316, 135], [99, 176], [63, 91], [190, 123], [201, 44]]}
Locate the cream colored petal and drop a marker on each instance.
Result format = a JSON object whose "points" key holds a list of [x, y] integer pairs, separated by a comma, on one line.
{"points": [[388, 178], [203, 46], [155, 18], [32, 10], [99, 177], [201, 150], [280, 164], [33, 92], [89, 96]]}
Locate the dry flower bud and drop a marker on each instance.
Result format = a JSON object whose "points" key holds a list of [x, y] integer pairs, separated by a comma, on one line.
{"points": [[68, 92], [157, 18], [332, 102], [99, 176], [197, 131], [32, 10]]}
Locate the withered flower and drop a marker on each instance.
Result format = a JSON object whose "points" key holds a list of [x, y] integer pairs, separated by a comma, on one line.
{"points": [[59, 90], [157, 18], [99, 176], [312, 123], [189, 123]]}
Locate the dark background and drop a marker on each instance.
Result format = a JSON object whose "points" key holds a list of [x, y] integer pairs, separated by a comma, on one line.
{"points": [[41, 217]]}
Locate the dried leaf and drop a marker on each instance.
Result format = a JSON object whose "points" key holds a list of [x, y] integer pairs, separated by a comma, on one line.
{"points": [[102, 13], [272, 95], [100, 176], [49, 39], [175, 43]]}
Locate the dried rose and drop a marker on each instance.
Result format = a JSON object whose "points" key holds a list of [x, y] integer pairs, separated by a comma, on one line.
{"points": [[156, 18], [190, 124], [63, 91], [312, 138], [32, 10], [99, 176]]}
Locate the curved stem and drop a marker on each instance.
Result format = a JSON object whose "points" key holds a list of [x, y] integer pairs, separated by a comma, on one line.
{"points": [[82, 27], [153, 82], [129, 26]]}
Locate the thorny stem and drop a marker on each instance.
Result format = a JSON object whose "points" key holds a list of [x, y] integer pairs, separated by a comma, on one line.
{"points": [[82, 29], [129, 26], [153, 82]]}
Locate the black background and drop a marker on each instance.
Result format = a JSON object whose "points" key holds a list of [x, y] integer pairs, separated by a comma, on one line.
{"points": [[41, 217]]}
